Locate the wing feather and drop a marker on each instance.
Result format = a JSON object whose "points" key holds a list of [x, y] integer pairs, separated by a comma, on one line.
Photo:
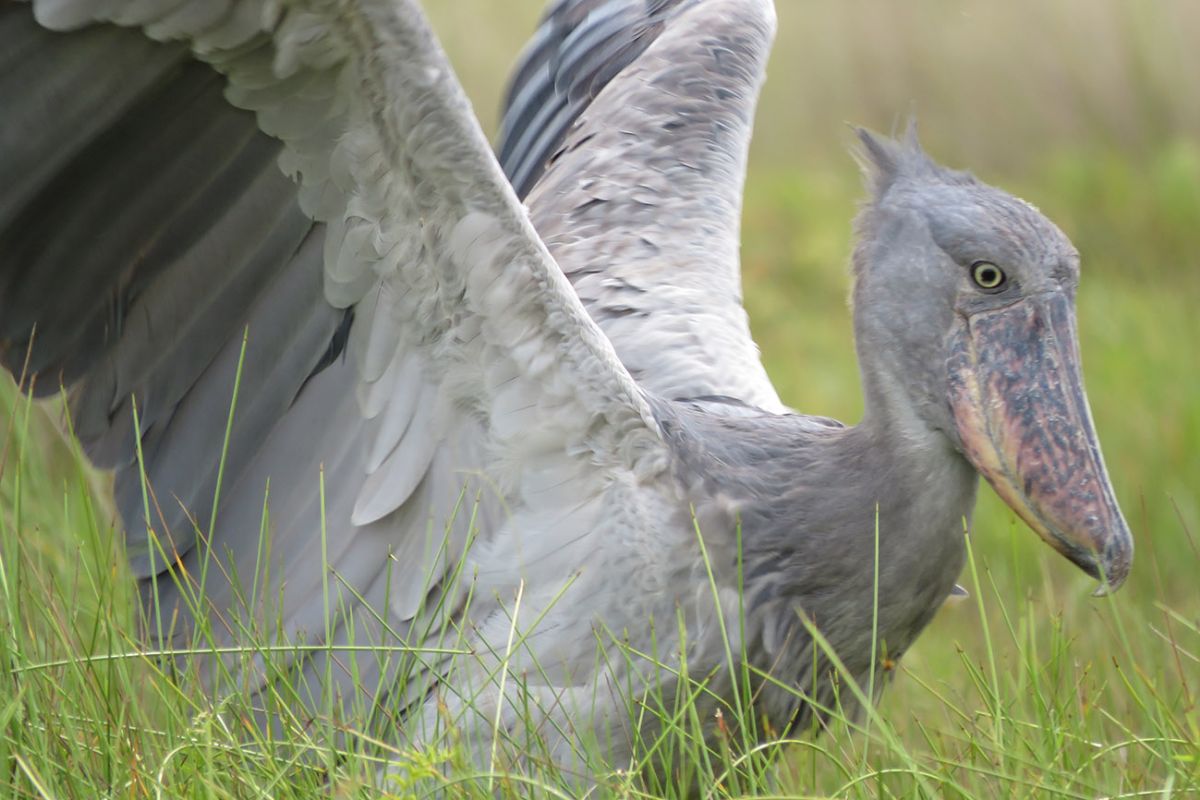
{"points": [[579, 47], [639, 199], [472, 365]]}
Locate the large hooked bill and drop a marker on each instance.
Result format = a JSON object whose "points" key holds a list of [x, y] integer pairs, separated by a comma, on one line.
{"points": [[1017, 394]]}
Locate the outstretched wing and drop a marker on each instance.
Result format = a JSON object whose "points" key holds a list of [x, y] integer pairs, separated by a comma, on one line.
{"points": [[628, 121], [411, 367]]}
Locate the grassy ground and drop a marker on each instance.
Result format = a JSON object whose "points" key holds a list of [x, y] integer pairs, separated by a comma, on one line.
{"points": [[1028, 689]]}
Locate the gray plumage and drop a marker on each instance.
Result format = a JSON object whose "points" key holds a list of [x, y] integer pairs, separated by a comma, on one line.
{"points": [[578, 48], [533, 409], [641, 203]]}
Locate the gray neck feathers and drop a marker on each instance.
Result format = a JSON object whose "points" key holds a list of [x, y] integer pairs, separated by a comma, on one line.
{"points": [[809, 497]]}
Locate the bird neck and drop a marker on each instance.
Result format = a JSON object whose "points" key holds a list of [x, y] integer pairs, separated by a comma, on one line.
{"points": [[912, 475], [917, 478], [894, 405]]}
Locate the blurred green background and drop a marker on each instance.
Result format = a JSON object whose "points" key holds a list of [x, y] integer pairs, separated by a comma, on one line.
{"points": [[1090, 109]]}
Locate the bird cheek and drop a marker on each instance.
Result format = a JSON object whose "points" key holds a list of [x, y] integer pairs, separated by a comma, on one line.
{"points": [[966, 402]]}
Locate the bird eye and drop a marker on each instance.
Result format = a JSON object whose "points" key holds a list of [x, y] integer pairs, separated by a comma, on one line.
{"points": [[987, 275]]}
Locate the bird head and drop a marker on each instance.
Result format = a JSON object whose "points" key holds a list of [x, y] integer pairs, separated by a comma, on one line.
{"points": [[964, 306]]}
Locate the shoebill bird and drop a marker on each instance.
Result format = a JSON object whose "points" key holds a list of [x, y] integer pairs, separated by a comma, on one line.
{"points": [[520, 420]]}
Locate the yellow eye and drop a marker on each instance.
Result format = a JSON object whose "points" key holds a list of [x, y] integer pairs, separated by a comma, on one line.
{"points": [[987, 275]]}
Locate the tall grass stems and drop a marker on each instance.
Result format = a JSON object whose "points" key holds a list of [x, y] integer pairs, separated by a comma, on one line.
{"points": [[1030, 689]]}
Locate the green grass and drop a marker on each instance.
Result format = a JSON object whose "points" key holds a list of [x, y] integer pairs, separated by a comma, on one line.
{"points": [[1028, 689]]}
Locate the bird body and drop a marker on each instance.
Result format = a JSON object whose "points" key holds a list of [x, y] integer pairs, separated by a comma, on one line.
{"points": [[513, 462]]}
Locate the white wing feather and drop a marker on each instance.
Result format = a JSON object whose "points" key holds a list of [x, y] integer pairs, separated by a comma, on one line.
{"points": [[480, 377], [640, 203]]}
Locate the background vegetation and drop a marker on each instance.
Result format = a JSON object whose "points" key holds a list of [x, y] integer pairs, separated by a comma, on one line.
{"points": [[1088, 108]]}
